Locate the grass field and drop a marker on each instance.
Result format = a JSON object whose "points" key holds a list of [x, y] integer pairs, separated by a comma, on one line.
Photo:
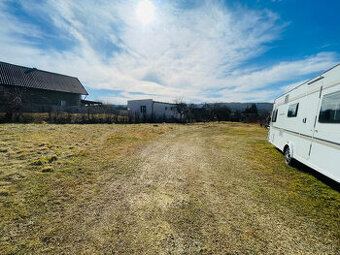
{"points": [[158, 189]]}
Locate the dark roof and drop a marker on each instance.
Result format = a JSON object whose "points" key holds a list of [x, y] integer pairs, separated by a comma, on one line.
{"points": [[13, 75], [89, 102]]}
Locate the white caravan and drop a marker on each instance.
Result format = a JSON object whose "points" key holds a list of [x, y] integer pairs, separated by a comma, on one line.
{"points": [[305, 124]]}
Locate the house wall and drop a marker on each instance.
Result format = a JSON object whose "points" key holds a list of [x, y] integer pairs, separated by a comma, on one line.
{"points": [[164, 111], [154, 110], [34, 97], [134, 108], [2, 91], [47, 97]]}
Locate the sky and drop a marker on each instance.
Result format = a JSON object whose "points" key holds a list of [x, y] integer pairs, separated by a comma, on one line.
{"points": [[196, 51]]}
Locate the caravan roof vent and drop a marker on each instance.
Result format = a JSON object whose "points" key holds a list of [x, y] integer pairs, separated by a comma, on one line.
{"points": [[315, 80]]}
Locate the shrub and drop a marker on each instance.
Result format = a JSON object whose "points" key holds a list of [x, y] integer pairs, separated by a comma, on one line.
{"points": [[4, 193], [39, 162], [52, 158], [47, 169]]}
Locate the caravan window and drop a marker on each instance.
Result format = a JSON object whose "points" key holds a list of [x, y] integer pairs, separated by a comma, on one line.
{"points": [[330, 108], [293, 110], [274, 116]]}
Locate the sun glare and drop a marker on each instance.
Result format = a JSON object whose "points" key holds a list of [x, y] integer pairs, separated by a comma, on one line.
{"points": [[145, 11]]}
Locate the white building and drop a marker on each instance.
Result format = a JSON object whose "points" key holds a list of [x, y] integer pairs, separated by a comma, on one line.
{"points": [[147, 109]]}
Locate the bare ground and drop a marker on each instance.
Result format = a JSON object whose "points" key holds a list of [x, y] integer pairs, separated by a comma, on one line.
{"points": [[200, 189]]}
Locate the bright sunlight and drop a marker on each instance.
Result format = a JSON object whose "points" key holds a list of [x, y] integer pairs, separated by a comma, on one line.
{"points": [[145, 11]]}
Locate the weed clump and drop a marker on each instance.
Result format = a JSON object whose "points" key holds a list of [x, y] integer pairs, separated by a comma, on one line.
{"points": [[4, 193], [52, 158], [47, 169], [40, 161]]}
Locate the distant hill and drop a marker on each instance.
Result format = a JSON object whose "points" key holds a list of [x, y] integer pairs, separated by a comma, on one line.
{"points": [[234, 107], [261, 107]]}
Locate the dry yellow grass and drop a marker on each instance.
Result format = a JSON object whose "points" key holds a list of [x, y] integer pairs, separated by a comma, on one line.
{"points": [[158, 189]]}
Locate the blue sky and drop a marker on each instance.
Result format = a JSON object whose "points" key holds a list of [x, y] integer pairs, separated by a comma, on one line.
{"points": [[199, 51]]}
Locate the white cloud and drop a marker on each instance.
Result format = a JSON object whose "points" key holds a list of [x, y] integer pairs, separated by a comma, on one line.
{"points": [[190, 53], [290, 86], [282, 71]]}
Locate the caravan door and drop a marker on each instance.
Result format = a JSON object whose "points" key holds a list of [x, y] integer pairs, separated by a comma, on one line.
{"points": [[308, 118], [326, 145]]}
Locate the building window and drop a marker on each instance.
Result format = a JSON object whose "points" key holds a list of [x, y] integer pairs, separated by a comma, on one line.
{"points": [[166, 108], [143, 108], [274, 116], [293, 110], [62, 103], [330, 108]]}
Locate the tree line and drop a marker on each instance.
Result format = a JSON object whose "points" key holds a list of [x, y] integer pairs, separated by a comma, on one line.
{"points": [[13, 109], [219, 112]]}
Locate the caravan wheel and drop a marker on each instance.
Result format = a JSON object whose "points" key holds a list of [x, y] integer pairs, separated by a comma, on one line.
{"points": [[288, 156]]}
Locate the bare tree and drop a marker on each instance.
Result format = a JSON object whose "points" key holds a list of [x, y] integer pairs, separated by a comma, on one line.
{"points": [[251, 114], [13, 102], [221, 113], [181, 108]]}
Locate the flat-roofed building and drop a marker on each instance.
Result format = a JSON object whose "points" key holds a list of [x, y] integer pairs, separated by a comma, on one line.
{"points": [[148, 109]]}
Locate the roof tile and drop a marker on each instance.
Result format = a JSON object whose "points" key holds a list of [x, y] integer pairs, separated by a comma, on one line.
{"points": [[14, 75]]}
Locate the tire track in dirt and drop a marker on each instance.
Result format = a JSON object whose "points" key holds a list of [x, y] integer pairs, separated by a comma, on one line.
{"points": [[185, 194]]}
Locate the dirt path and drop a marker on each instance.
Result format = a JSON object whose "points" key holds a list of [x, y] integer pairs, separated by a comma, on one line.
{"points": [[194, 191]]}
